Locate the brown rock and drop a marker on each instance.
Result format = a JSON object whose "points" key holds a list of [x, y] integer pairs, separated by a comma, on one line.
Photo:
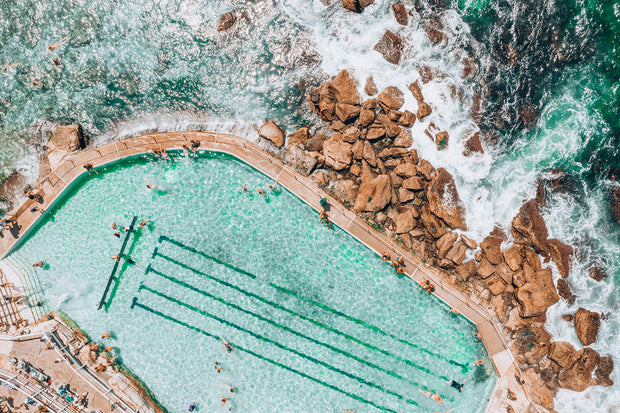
{"points": [[393, 152], [513, 257], [351, 135], [315, 143], [414, 156], [424, 109], [391, 47], [405, 195], [346, 190], [407, 119], [415, 183], [392, 98], [445, 243], [356, 6], [564, 290], [272, 132], [369, 154], [561, 352], [473, 145], [433, 225], [400, 13], [404, 139], [469, 243], [336, 125], [373, 196], [434, 30], [496, 285], [344, 89], [466, 270], [322, 102], [227, 20], [485, 269], [444, 201], [587, 324], [532, 259], [296, 156], [456, 254], [367, 116], [347, 113], [367, 173], [578, 374], [504, 272], [416, 91], [539, 393], [614, 193], [406, 170], [441, 139], [491, 246], [536, 294], [370, 88], [358, 150], [560, 254], [530, 225], [532, 343], [603, 371], [322, 178], [64, 140], [375, 133], [405, 222], [300, 137], [597, 273], [370, 104], [337, 153]]}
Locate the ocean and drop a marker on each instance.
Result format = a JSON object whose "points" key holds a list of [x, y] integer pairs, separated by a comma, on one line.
{"points": [[547, 72]]}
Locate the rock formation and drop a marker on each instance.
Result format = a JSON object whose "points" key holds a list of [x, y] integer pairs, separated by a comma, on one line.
{"points": [[587, 324], [64, 140]]}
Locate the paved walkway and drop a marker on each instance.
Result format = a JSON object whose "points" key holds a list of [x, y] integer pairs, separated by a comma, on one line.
{"points": [[307, 190]]}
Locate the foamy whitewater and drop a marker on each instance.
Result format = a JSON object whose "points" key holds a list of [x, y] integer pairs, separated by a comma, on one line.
{"points": [[138, 67]]}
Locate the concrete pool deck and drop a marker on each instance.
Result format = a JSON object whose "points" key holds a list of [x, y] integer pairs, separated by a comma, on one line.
{"points": [[55, 183]]}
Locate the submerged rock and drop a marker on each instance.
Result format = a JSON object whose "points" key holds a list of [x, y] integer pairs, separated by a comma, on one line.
{"points": [[587, 324], [597, 273], [391, 47], [370, 88], [564, 290]]}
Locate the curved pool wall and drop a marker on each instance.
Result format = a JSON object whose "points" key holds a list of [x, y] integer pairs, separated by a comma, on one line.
{"points": [[317, 319]]}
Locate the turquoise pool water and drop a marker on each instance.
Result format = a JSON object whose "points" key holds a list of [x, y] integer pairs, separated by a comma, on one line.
{"points": [[318, 322]]}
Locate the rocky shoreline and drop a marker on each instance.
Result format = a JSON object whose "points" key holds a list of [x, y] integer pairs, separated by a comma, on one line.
{"points": [[362, 157]]}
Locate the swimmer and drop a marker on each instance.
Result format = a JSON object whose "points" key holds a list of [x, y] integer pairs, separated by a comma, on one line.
{"points": [[224, 400], [477, 335], [454, 311], [51, 48], [432, 396], [260, 191], [113, 225], [56, 62], [245, 188], [273, 186], [90, 168], [117, 234], [386, 256], [457, 385], [400, 270], [116, 257], [38, 264], [218, 368], [143, 223], [151, 186], [108, 349], [8, 67], [511, 395], [35, 83], [479, 362], [192, 407], [227, 345]]}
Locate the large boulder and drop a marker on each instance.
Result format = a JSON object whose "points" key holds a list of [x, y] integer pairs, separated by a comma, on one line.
{"points": [[597, 272], [491, 246], [370, 88], [444, 201], [578, 374], [530, 225], [322, 102], [536, 294], [344, 88], [64, 140], [296, 156], [531, 344], [374, 194], [537, 390], [405, 222], [587, 324], [337, 153], [400, 13], [392, 98], [565, 291], [356, 6], [560, 254], [433, 225], [273, 133], [345, 190], [562, 352], [391, 47], [228, 20]]}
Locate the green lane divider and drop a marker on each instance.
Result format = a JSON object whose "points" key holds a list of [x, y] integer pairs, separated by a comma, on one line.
{"points": [[281, 346], [464, 367], [285, 328], [365, 324], [354, 396], [149, 268], [202, 254]]}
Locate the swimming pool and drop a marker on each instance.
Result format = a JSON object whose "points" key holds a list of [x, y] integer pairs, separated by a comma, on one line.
{"points": [[318, 322]]}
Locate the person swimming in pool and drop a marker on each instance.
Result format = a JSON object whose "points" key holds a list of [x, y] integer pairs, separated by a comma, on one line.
{"points": [[386, 256], [143, 223], [218, 368], [227, 346], [433, 396], [192, 407], [457, 385], [117, 234]]}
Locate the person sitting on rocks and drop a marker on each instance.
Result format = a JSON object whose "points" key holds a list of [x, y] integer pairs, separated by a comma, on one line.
{"points": [[386, 256]]}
